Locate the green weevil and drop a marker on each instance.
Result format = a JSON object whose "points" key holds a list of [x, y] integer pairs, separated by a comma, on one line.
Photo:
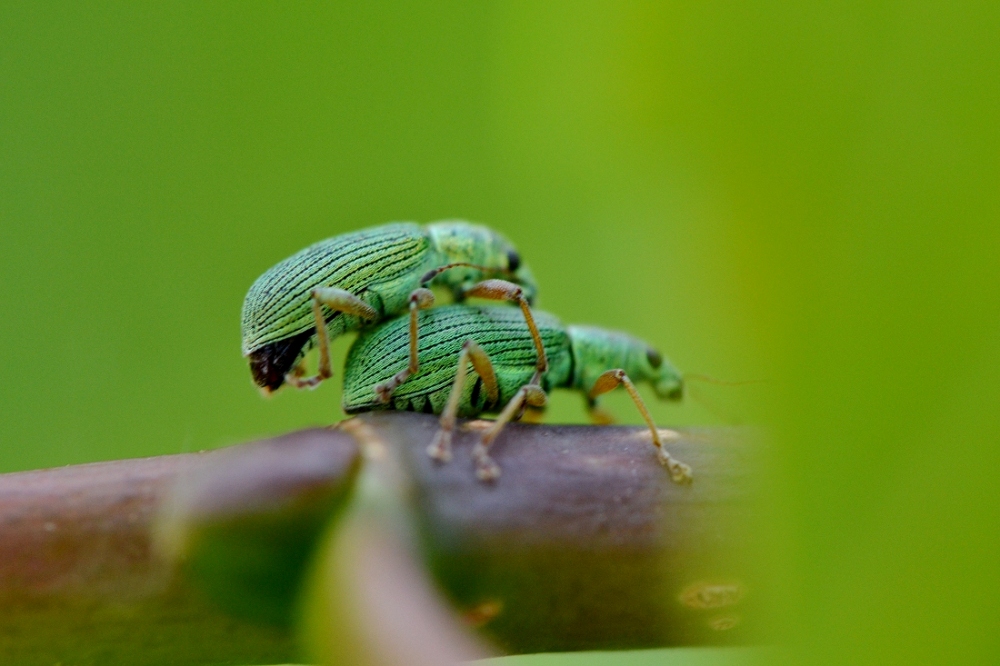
{"points": [[507, 374], [356, 279]]}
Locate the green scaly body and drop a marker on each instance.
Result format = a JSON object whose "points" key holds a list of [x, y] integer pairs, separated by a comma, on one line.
{"points": [[381, 266], [577, 356]]}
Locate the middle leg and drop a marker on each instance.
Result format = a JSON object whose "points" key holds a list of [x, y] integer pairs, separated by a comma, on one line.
{"points": [[440, 448], [420, 299], [494, 289]]}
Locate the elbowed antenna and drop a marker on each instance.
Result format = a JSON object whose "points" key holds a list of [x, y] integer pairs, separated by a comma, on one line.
{"points": [[710, 405], [722, 382], [463, 244]]}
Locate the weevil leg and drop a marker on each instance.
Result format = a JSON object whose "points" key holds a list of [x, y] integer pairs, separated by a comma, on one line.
{"points": [[533, 415], [529, 395], [419, 299], [610, 380], [335, 299], [440, 448], [598, 415], [491, 289], [297, 376], [502, 290]]}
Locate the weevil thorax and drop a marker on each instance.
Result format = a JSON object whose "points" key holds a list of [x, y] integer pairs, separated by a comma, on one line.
{"points": [[457, 241], [597, 350]]}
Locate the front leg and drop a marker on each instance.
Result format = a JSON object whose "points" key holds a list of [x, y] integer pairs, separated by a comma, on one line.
{"points": [[598, 415], [337, 300], [610, 380]]}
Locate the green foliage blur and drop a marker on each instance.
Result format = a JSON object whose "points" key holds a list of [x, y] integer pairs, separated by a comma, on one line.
{"points": [[802, 193]]}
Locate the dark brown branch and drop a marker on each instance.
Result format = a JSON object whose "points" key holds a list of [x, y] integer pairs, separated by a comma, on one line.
{"points": [[584, 542]]}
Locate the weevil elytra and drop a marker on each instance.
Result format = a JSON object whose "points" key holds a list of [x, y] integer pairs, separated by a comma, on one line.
{"points": [[346, 282], [507, 375]]}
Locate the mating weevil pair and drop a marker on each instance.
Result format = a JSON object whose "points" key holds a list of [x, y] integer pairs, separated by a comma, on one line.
{"points": [[360, 281]]}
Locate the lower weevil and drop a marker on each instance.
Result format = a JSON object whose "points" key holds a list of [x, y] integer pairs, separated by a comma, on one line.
{"points": [[508, 372]]}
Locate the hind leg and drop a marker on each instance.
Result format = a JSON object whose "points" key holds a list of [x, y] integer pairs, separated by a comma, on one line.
{"points": [[529, 395], [440, 448], [502, 290]]}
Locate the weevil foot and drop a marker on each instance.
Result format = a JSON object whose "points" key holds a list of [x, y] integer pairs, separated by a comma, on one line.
{"points": [[679, 472], [486, 468], [440, 448], [384, 390]]}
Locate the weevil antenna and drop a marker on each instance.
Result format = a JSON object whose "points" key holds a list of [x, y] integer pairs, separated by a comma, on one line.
{"points": [[712, 407], [721, 382], [433, 273]]}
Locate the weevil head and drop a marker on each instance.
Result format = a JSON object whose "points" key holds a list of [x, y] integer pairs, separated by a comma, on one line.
{"points": [[667, 381], [458, 241], [646, 364], [597, 350], [276, 326]]}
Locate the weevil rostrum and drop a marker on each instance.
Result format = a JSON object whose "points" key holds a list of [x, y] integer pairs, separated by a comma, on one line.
{"points": [[507, 373], [356, 279]]}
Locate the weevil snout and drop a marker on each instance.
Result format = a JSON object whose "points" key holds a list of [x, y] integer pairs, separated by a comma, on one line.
{"points": [[676, 393], [271, 363], [669, 388], [264, 372]]}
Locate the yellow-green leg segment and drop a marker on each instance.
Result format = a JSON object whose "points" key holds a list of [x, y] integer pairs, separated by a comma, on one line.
{"points": [[610, 380], [497, 290], [338, 300], [419, 300], [530, 395], [440, 448]]}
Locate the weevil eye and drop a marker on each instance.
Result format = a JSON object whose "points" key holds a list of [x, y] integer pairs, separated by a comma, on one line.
{"points": [[513, 260], [654, 357]]}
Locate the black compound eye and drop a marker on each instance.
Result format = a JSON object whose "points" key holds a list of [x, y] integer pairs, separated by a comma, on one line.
{"points": [[513, 260], [654, 357]]}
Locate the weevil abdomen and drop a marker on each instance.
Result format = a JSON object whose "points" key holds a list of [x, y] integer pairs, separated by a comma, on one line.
{"points": [[500, 331], [277, 307]]}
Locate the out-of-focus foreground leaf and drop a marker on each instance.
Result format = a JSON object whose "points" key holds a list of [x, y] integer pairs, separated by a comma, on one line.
{"points": [[80, 581], [584, 542]]}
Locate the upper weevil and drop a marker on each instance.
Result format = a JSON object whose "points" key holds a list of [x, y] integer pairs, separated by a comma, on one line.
{"points": [[343, 283]]}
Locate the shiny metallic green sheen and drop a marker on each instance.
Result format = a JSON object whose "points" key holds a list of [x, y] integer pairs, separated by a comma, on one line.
{"points": [[382, 266], [577, 356]]}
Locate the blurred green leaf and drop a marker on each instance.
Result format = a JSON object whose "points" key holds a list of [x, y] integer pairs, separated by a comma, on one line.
{"points": [[805, 193]]}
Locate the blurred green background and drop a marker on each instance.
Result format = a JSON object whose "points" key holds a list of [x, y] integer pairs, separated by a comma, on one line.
{"points": [[804, 193]]}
